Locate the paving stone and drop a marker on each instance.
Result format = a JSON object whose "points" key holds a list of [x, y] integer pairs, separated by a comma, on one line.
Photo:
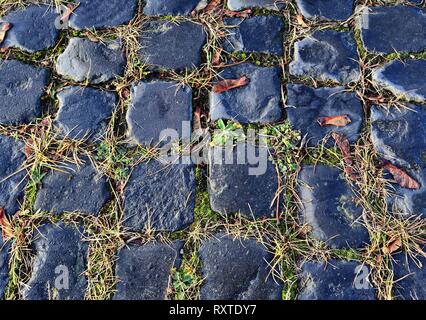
{"points": [[393, 28], [305, 105], [33, 28], [326, 9], [12, 175], [403, 78], [256, 184], [83, 112], [4, 266], [172, 46], [80, 189], [257, 102], [144, 272], [102, 14], [260, 34], [327, 55], [170, 7], [21, 89], [84, 60], [157, 106], [328, 207], [399, 136], [410, 277], [59, 264], [237, 269], [337, 280], [237, 5], [160, 196]]}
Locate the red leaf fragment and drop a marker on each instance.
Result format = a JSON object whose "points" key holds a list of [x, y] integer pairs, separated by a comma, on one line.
{"points": [[3, 31], [217, 57], [401, 177], [228, 84], [340, 120], [238, 14], [212, 5], [5, 226], [345, 148]]}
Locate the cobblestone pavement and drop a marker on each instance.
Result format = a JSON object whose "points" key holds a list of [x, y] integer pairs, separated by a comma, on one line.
{"points": [[90, 209]]}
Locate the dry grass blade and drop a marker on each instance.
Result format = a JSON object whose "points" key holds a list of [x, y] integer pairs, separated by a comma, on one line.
{"points": [[229, 84]]}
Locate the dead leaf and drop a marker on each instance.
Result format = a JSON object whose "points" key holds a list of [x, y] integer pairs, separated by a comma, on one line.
{"points": [[70, 10], [212, 5], [229, 84], [401, 177], [5, 225], [197, 118], [301, 21], [345, 148], [3, 31], [217, 57], [340, 120], [28, 149], [238, 14], [393, 246]]}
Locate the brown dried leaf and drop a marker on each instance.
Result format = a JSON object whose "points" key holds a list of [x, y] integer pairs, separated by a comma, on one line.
{"points": [[393, 246], [238, 14], [401, 177], [212, 5], [5, 225], [217, 57], [345, 148], [197, 118], [3, 31], [301, 21], [229, 84], [340, 120]]}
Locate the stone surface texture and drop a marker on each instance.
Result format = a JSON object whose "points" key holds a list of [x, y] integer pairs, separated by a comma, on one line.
{"points": [[237, 187], [327, 56], [67, 190], [305, 105], [12, 174], [257, 102], [160, 196], [410, 276], [21, 89], [393, 29], [102, 14], [336, 280], [399, 136], [59, 264], [237, 269], [83, 112], [4, 266], [144, 272], [261, 34], [339, 10], [33, 28], [84, 60], [157, 106], [170, 7], [403, 79], [328, 207], [165, 44]]}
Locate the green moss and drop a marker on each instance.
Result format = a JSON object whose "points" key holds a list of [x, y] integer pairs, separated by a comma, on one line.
{"points": [[203, 210], [347, 254]]}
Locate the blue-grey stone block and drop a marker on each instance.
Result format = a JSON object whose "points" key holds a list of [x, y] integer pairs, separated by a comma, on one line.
{"points": [[328, 206]]}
